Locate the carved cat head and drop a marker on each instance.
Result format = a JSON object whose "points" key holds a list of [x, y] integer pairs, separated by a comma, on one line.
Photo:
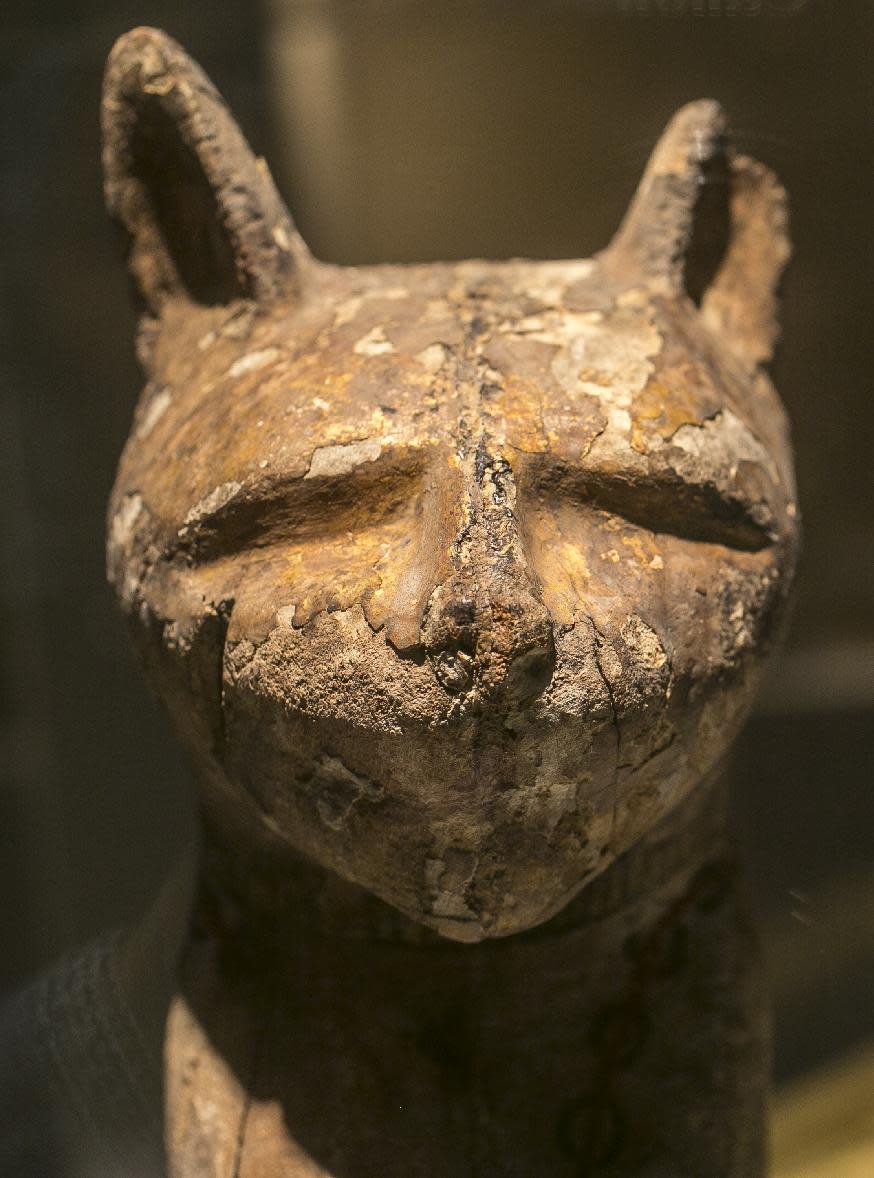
{"points": [[455, 578]]}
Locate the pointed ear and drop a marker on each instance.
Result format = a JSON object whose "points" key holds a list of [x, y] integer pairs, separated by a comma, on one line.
{"points": [[202, 217], [711, 225]]}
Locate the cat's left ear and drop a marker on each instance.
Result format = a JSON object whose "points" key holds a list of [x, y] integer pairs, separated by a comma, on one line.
{"points": [[712, 225], [202, 216]]}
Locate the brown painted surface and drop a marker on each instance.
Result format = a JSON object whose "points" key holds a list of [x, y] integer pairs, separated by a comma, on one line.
{"points": [[457, 580]]}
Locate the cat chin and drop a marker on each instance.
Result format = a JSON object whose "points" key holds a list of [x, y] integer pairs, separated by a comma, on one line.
{"points": [[463, 878], [525, 906]]}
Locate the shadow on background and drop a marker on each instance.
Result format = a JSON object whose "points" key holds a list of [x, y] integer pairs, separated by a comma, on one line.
{"points": [[400, 130]]}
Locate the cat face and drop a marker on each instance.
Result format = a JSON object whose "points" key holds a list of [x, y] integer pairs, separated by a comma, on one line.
{"points": [[455, 578]]}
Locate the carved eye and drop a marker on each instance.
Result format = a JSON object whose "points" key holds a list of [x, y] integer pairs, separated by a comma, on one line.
{"points": [[696, 512], [688, 511], [303, 509]]}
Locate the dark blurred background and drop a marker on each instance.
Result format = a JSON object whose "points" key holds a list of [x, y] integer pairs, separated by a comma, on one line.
{"points": [[403, 130]]}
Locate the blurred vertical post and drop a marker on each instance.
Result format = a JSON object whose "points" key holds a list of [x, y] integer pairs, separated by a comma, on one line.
{"points": [[306, 66]]}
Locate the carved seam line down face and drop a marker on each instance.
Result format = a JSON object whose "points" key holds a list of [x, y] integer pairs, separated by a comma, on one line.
{"points": [[455, 578]]}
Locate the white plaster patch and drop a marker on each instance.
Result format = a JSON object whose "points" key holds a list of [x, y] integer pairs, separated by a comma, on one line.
{"points": [[553, 327], [619, 420], [534, 325], [607, 358], [568, 364], [644, 642], [285, 616], [347, 310], [613, 448], [253, 361], [550, 280], [281, 238], [715, 448], [447, 899], [121, 533], [373, 344], [614, 359], [213, 502], [338, 460], [124, 521], [157, 408], [432, 357]]}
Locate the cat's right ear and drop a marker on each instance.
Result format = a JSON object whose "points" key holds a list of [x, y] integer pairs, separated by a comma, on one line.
{"points": [[202, 217]]}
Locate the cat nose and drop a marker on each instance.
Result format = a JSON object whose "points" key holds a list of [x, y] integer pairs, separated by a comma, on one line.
{"points": [[491, 631], [486, 624], [481, 621], [450, 636]]}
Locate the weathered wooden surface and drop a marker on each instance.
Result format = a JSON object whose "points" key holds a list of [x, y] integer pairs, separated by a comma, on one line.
{"points": [[456, 579], [628, 1036]]}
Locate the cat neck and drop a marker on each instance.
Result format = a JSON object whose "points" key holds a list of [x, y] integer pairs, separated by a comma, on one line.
{"points": [[314, 1027]]}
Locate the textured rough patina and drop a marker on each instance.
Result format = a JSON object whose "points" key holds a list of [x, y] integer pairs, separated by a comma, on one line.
{"points": [[457, 580]]}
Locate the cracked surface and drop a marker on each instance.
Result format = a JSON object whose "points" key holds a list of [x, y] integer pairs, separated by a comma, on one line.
{"points": [[456, 577], [456, 580]]}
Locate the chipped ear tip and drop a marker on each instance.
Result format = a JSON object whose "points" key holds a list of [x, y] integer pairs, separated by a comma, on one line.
{"points": [[141, 36], [703, 113], [698, 124], [704, 110], [123, 78], [140, 43]]}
